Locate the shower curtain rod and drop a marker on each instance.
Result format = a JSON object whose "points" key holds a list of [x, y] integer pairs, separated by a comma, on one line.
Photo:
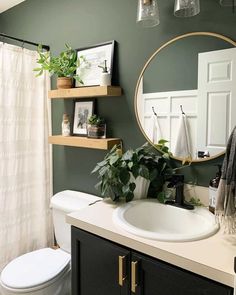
{"points": [[46, 47]]}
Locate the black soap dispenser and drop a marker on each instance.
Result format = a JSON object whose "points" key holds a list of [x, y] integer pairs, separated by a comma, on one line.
{"points": [[213, 186]]}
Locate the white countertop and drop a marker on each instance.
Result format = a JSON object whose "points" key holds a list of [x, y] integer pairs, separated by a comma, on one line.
{"points": [[212, 257]]}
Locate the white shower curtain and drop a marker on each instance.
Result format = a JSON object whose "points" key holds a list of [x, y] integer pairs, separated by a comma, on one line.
{"points": [[25, 175]]}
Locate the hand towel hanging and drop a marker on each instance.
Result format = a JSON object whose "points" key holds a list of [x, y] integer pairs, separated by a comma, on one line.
{"points": [[182, 148], [155, 130]]}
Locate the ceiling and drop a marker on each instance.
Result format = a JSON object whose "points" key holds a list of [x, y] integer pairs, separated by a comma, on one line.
{"points": [[6, 4]]}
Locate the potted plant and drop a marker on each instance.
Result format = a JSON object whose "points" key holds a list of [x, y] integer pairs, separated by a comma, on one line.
{"points": [[64, 66], [96, 127], [120, 174]]}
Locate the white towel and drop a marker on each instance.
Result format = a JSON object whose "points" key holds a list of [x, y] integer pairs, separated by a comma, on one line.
{"points": [[155, 133], [182, 148]]}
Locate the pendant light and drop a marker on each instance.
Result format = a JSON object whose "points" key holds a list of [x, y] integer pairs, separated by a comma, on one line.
{"points": [[228, 2], [148, 13], [186, 8]]}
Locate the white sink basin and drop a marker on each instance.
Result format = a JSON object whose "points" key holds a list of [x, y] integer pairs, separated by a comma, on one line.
{"points": [[152, 220]]}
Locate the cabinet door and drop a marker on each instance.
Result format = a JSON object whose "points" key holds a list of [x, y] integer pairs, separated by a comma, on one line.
{"points": [[99, 267], [154, 277]]}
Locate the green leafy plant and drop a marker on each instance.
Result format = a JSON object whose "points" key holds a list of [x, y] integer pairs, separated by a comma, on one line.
{"points": [[64, 65], [161, 146], [95, 120], [195, 202], [118, 171]]}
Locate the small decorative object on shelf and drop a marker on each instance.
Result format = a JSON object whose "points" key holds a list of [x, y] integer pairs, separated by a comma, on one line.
{"points": [[83, 109], [64, 66], [65, 125], [105, 76], [96, 127]]}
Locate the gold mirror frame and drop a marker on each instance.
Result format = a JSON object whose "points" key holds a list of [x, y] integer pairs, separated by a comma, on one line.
{"points": [[219, 36]]}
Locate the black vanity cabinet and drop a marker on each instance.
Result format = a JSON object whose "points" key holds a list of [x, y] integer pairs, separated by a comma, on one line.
{"points": [[155, 277], [95, 265], [102, 267]]}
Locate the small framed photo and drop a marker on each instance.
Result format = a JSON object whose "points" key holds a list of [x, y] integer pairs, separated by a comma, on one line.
{"points": [[83, 110], [94, 56]]}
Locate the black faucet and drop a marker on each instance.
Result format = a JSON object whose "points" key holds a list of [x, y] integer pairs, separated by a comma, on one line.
{"points": [[177, 181]]}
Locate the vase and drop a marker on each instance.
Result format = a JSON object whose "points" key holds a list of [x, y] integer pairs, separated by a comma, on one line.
{"points": [[64, 82], [105, 79], [142, 186]]}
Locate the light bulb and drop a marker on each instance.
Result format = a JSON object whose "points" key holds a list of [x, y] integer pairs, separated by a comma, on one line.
{"points": [[186, 8], [148, 13]]}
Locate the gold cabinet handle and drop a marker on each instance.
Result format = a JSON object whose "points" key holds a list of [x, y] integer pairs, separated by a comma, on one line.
{"points": [[134, 284], [122, 274]]}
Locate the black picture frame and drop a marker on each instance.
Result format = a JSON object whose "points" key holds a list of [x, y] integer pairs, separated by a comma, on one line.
{"points": [[89, 72], [83, 109]]}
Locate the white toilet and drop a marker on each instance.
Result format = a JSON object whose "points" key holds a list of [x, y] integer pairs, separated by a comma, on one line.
{"points": [[47, 271]]}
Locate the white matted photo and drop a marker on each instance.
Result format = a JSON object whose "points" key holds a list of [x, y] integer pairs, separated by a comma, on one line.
{"points": [[94, 56], [83, 110]]}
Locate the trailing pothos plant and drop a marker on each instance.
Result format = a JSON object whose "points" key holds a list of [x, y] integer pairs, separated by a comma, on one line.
{"points": [[64, 65], [118, 171]]}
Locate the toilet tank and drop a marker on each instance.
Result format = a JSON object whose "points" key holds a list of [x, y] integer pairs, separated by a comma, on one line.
{"points": [[63, 203]]}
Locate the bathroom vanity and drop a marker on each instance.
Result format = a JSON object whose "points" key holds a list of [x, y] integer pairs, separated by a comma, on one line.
{"points": [[101, 267], [108, 260]]}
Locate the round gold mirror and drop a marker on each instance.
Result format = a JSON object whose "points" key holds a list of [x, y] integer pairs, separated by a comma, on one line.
{"points": [[185, 96]]}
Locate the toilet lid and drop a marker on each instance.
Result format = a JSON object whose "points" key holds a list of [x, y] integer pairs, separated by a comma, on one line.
{"points": [[34, 268]]}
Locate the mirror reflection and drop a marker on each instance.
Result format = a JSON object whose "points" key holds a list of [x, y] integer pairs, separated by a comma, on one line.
{"points": [[186, 95]]}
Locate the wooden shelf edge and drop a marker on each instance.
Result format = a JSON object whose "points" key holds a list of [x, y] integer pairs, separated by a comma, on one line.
{"points": [[82, 92], [75, 141]]}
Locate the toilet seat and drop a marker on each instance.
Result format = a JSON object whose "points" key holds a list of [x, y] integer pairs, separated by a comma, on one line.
{"points": [[35, 269]]}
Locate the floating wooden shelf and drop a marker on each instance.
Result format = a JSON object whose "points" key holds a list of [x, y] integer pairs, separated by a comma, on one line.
{"points": [[101, 144], [85, 92]]}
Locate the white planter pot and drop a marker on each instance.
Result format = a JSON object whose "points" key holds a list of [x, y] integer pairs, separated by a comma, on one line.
{"points": [[105, 79], [141, 190]]}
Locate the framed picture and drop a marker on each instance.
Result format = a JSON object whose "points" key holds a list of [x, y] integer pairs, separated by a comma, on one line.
{"points": [[83, 109], [95, 56]]}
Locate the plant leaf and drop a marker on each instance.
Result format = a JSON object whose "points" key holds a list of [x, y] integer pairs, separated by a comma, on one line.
{"points": [[162, 141], [128, 155], [143, 171], [129, 197], [124, 176], [161, 197], [114, 159], [135, 171], [132, 186]]}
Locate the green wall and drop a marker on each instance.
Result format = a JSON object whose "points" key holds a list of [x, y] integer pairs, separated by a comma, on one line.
{"points": [[83, 23]]}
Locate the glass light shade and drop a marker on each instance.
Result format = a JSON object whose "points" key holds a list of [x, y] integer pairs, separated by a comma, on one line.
{"points": [[228, 2], [148, 13], [186, 8]]}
